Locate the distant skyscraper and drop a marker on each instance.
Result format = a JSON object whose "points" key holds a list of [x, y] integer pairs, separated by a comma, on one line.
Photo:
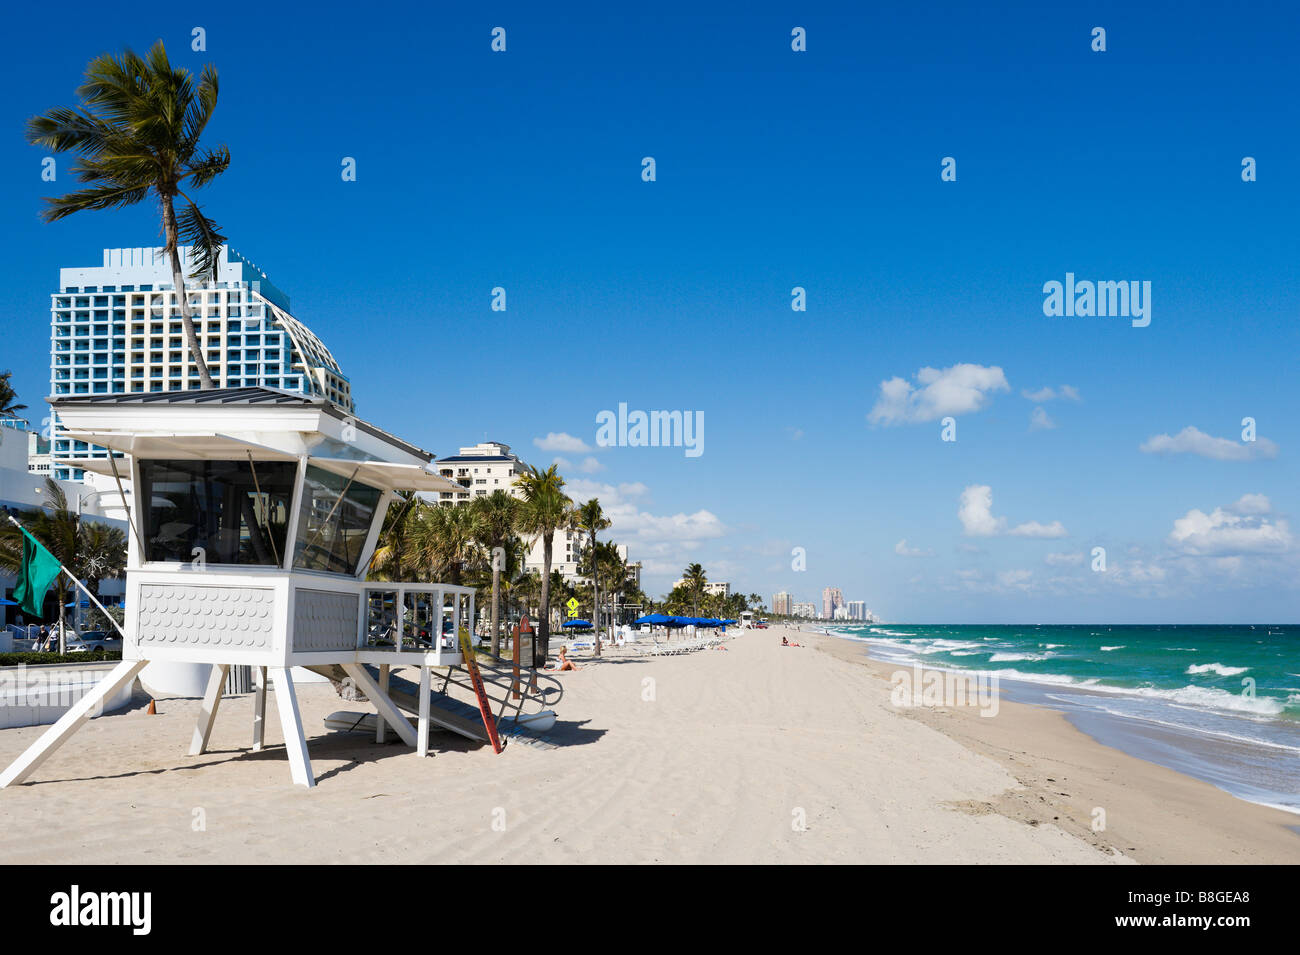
{"points": [[781, 604], [858, 610], [832, 599]]}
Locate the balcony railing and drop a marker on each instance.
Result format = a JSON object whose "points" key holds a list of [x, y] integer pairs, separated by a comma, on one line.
{"points": [[415, 617]]}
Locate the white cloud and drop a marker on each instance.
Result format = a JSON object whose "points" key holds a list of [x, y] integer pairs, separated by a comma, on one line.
{"points": [[960, 389], [560, 441], [564, 464], [630, 524], [1035, 529], [1040, 420], [590, 466], [1068, 392], [977, 520], [1015, 579], [1240, 528], [976, 512], [1252, 504], [1062, 559], [1192, 440], [903, 550]]}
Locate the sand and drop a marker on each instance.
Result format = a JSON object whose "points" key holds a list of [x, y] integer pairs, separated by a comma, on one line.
{"points": [[758, 753]]}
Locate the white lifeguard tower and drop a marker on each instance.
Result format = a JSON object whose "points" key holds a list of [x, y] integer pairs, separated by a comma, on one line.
{"points": [[254, 516]]}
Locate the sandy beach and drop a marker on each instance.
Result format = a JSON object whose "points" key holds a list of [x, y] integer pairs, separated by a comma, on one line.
{"points": [[756, 753]]}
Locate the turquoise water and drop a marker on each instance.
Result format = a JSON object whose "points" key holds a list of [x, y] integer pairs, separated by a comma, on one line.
{"points": [[1198, 666], [1219, 702]]}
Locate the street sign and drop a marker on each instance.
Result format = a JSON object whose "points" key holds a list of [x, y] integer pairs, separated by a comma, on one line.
{"points": [[573, 605]]}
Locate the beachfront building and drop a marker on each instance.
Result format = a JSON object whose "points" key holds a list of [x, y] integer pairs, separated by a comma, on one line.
{"points": [[480, 470], [116, 329], [718, 588], [781, 604], [805, 610], [858, 610], [832, 600], [491, 466]]}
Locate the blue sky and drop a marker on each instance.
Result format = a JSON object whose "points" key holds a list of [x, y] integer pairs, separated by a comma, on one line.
{"points": [[777, 169]]}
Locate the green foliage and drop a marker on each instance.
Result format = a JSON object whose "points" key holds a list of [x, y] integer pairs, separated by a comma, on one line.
{"points": [[32, 658]]}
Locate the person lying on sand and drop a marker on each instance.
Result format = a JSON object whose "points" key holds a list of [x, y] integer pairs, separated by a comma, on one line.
{"points": [[564, 663], [785, 642]]}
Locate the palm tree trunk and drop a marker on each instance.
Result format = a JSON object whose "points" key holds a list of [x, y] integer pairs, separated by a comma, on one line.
{"points": [[172, 238], [544, 621], [595, 591], [62, 598], [496, 598]]}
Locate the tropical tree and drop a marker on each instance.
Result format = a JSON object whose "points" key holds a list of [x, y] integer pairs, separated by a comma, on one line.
{"points": [[101, 553], [526, 590], [442, 542], [496, 516], [694, 580], [91, 550], [591, 519], [135, 133], [544, 509], [394, 552], [9, 406]]}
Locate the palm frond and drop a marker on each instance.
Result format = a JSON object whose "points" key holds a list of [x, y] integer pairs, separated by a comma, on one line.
{"points": [[213, 163], [204, 238], [104, 197], [64, 128]]}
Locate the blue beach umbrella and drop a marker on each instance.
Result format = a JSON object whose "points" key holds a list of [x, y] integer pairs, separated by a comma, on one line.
{"points": [[586, 624], [654, 618]]}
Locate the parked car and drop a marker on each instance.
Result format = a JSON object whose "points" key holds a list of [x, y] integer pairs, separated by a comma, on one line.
{"points": [[94, 640]]}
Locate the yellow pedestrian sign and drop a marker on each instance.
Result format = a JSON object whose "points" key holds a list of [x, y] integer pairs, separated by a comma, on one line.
{"points": [[573, 605]]}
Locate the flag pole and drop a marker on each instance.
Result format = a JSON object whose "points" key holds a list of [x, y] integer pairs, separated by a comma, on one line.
{"points": [[84, 589]]}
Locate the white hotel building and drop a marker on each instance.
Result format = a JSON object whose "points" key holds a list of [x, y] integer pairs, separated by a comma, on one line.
{"points": [[116, 328], [492, 466]]}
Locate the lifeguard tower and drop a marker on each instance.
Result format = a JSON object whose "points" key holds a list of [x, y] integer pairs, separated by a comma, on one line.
{"points": [[254, 516]]}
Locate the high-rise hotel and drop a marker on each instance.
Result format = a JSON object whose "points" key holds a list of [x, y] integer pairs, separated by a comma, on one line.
{"points": [[117, 328]]}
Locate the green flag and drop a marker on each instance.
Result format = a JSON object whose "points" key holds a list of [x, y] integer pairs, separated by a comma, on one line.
{"points": [[40, 567]]}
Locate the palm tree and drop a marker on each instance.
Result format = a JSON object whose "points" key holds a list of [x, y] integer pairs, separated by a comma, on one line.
{"points": [[91, 550], [544, 509], [136, 136], [526, 588], [442, 542], [394, 550], [101, 553], [495, 518], [694, 580], [57, 530], [9, 407], [613, 575], [590, 518]]}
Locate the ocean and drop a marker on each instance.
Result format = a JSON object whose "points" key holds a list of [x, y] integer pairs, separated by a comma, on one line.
{"points": [[1221, 703]]}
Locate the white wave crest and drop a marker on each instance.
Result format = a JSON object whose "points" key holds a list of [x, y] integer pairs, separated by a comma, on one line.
{"points": [[1218, 668]]}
